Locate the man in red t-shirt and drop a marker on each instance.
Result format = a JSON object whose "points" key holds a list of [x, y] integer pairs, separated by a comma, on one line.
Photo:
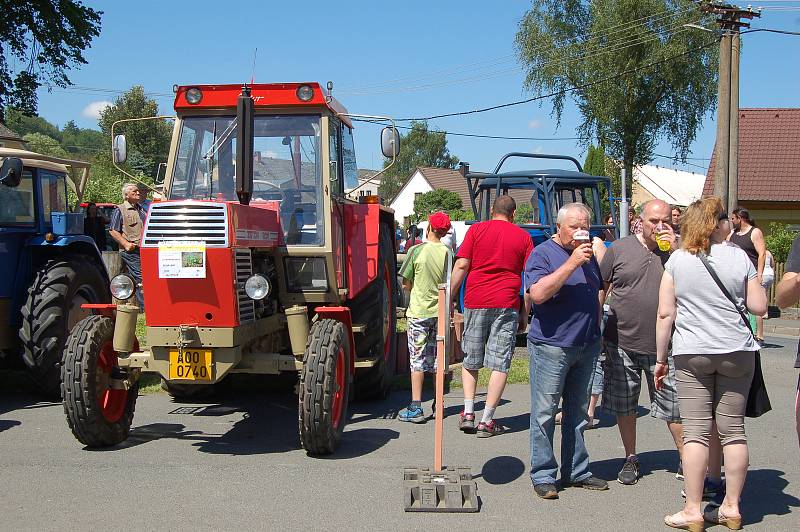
{"points": [[494, 254]]}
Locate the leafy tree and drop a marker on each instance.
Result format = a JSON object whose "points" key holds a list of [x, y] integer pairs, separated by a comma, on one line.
{"points": [[437, 200], [419, 147], [45, 145], [150, 138], [44, 39], [524, 214], [779, 241], [460, 215], [599, 164], [23, 124], [84, 143], [634, 72]]}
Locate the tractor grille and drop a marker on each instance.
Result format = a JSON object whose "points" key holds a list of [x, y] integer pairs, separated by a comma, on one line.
{"points": [[187, 221], [244, 269]]}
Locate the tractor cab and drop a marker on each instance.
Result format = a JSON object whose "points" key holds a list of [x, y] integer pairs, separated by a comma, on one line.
{"points": [[540, 193]]}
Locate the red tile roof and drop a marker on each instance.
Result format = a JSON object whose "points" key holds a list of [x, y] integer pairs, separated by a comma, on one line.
{"points": [[769, 156]]}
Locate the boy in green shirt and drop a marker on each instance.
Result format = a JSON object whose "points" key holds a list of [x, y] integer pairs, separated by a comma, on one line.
{"points": [[423, 271]]}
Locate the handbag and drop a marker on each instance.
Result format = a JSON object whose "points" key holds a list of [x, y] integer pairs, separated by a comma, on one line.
{"points": [[757, 399]]}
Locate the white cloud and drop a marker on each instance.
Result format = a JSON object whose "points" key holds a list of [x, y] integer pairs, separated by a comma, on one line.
{"points": [[93, 109], [270, 154], [535, 124]]}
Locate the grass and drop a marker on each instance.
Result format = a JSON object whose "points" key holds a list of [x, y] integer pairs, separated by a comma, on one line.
{"points": [[517, 374], [150, 383]]}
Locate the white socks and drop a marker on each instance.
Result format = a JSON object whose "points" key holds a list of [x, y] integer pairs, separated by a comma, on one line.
{"points": [[488, 413], [469, 406]]}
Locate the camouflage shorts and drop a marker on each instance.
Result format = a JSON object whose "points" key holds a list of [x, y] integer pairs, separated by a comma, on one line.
{"points": [[422, 343]]}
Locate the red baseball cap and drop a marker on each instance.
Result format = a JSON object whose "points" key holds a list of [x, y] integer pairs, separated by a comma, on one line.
{"points": [[439, 220]]}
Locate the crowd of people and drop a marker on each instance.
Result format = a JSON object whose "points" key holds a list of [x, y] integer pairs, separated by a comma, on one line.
{"points": [[670, 306]]}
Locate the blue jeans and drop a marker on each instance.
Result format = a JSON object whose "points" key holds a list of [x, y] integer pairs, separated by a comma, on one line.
{"points": [[557, 372], [133, 263]]}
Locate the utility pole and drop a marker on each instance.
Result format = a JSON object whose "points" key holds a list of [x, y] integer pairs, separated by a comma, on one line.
{"points": [[726, 171]]}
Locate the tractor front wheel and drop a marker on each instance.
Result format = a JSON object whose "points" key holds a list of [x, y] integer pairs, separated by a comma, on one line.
{"points": [[98, 405], [324, 387]]}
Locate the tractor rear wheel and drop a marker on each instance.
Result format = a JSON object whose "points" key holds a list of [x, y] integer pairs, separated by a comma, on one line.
{"points": [[99, 408], [324, 387], [376, 382], [51, 311]]}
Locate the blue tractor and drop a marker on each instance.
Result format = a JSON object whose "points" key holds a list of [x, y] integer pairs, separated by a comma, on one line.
{"points": [[48, 268], [544, 192]]}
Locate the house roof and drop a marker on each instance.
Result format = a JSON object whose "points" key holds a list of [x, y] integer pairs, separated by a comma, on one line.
{"points": [[7, 134], [448, 179], [769, 155], [676, 187]]}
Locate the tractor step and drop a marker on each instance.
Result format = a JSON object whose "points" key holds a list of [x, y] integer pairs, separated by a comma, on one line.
{"points": [[359, 328], [449, 490]]}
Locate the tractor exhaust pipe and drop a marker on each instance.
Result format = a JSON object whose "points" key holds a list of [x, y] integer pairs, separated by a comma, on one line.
{"points": [[244, 146]]}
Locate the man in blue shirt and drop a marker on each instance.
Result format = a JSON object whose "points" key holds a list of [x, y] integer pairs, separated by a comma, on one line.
{"points": [[563, 281]]}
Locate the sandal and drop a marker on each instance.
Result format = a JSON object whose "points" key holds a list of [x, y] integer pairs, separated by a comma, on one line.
{"points": [[714, 515], [692, 526]]}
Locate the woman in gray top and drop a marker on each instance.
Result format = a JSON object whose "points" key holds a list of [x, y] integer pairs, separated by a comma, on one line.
{"points": [[714, 357]]}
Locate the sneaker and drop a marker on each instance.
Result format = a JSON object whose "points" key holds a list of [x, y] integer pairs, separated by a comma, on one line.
{"points": [[412, 414], [489, 429], [466, 422], [546, 491], [711, 490], [591, 483], [679, 474], [630, 472]]}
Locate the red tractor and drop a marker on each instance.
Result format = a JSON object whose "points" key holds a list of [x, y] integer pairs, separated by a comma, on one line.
{"points": [[256, 262]]}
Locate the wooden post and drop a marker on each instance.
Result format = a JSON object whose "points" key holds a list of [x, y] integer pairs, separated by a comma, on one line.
{"points": [[442, 329]]}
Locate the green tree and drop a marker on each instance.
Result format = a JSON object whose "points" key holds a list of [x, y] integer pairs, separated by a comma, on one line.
{"points": [[635, 73], [436, 200], [83, 143], [40, 42], [524, 214], [419, 147], [23, 124], [779, 241], [150, 138], [105, 181], [45, 145], [599, 164]]}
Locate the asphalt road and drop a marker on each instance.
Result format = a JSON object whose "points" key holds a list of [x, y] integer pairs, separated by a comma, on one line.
{"points": [[237, 465]]}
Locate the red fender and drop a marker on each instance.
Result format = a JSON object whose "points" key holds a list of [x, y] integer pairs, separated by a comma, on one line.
{"points": [[342, 314]]}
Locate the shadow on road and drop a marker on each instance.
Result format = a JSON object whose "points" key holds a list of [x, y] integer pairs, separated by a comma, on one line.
{"points": [[764, 495], [501, 470]]}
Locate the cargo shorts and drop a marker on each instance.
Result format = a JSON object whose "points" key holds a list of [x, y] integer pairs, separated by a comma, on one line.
{"points": [[490, 335], [623, 383]]}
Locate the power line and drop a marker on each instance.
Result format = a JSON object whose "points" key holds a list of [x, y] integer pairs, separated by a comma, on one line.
{"points": [[475, 135], [555, 93], [620, 28]]}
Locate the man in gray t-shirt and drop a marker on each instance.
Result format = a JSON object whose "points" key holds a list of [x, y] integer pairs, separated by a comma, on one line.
{"points": [[632, 269]]}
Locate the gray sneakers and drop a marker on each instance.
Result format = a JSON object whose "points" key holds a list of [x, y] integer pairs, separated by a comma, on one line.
{"points": [[630, 473]]}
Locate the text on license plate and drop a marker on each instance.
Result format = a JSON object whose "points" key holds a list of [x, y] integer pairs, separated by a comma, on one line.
{"points": [[190, 364]]}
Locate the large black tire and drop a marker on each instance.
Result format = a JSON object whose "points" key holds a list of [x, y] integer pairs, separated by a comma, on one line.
{"points": [[376, 382], [190, 393], [52, 309], [324, 387], [98, 413]]}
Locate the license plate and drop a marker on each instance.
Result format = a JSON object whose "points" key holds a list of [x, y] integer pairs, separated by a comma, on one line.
{"points": [[190, 364]]}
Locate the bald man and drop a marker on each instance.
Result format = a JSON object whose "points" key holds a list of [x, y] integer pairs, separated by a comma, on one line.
{"points": [[632, 269]]}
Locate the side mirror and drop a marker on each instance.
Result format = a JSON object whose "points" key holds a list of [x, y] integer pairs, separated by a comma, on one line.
{"points": [[11, 172], [120, 149], [390, 142]]}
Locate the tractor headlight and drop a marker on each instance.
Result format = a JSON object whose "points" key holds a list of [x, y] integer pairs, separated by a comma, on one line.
{"points": [[305, 93], [194, 95], [122, 287], [306, 274], [257, 287]]}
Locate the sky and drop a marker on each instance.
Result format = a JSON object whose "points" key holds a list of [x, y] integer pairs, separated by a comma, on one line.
{"points": [[401, 59]]}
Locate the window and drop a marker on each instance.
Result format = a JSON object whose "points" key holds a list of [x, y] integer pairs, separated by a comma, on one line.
{"points": [[349, 165], [16, 204], [54, 193]]}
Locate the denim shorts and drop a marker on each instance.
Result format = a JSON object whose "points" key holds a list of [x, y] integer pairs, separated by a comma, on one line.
{"points": [[490, 335]]}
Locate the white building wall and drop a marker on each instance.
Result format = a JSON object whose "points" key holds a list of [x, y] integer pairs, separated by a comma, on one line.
{"points": [[403, 204]]}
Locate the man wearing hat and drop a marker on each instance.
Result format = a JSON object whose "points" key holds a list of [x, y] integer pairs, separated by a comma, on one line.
{"points": [[423, 270]]}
